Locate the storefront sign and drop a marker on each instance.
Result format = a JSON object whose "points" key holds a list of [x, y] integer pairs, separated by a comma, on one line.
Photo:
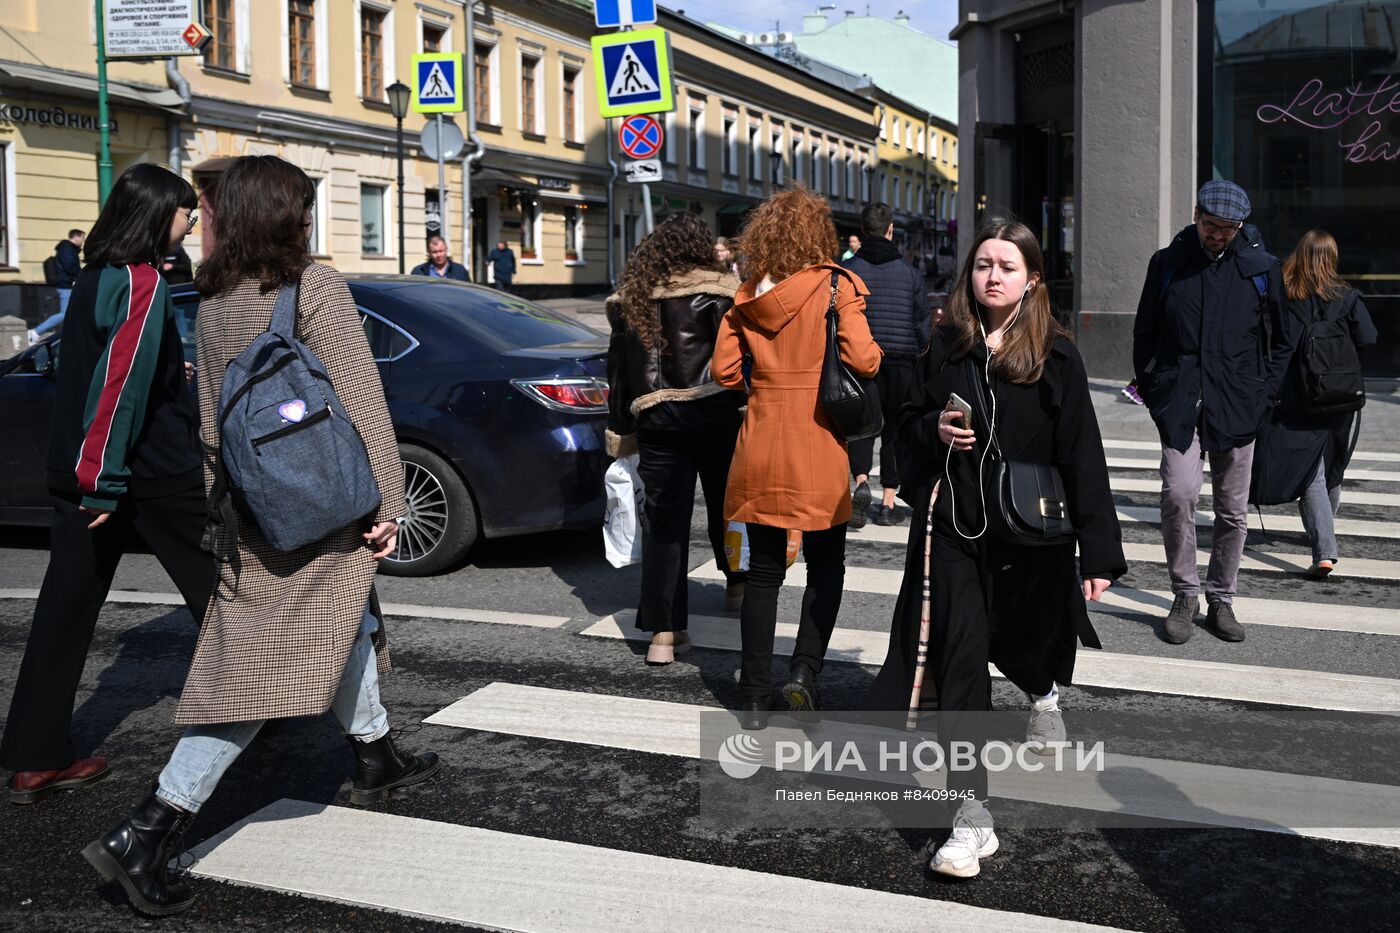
{"points": [[51, 116], [152, 28], [1355, 112], [554, 184]]}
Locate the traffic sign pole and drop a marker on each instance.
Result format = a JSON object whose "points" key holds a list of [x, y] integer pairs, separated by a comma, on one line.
{"points": [[444, 230], [646, 190], [104, 124]]}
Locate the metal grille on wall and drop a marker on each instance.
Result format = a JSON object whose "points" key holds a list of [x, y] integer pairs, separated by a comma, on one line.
{"points": [[1047, 68]]}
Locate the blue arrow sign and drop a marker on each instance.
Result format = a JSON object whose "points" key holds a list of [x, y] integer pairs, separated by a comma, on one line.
{"points": [[623, 12]]}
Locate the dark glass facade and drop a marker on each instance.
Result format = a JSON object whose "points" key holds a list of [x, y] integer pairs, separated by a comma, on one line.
{"points": [[1301, 107]]}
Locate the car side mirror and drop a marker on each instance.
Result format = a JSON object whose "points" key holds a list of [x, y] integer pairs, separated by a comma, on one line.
{"points": [[42, 362]]}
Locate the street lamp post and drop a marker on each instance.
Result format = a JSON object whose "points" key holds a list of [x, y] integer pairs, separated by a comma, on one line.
{"points": [[399, 95]]}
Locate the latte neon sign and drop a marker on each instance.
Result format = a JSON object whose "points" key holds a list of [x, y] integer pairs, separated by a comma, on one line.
{"points": [[1319, 109]]}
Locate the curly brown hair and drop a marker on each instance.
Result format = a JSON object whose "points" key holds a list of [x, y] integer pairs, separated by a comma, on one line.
{"points": [[680, 243], [788, 232]]}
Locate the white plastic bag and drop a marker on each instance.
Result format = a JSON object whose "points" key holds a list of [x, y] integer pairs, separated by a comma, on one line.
{"points": [[622, 522]]}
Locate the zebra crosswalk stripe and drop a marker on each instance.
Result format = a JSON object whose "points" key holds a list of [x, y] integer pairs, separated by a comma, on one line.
{"points": [[507, 881]]}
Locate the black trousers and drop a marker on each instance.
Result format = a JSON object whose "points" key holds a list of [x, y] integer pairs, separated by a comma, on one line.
{"points": [[668, 463], [82, 563], [825, 556], [892, 381]]}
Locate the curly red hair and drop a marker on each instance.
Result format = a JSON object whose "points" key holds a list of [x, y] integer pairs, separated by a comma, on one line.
{"points": [[788, 232]]}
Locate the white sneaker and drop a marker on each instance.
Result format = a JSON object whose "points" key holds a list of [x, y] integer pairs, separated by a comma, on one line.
{"points": [[973, 839], [1046, 728]]}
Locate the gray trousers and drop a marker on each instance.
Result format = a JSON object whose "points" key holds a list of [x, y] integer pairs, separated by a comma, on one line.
{"points": [[1182, 474], [1318, 509]]}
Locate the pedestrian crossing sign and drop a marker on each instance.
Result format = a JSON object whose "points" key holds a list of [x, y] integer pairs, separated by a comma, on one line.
{"points": [[437, 83], [633, 71]]}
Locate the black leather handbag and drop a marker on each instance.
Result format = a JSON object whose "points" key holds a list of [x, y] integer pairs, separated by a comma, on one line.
{"points": [[1026, 501], [852, 403]]}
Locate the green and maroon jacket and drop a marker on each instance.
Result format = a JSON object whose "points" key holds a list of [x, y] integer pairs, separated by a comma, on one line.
{"points": [[125, 421]]}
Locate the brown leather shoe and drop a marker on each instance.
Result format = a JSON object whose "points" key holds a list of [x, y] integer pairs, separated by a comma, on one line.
{"points": [[34, 786]]}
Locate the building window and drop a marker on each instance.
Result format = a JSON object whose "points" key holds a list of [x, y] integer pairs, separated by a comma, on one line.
{"points": [[316, 237], [221, 51], [795, 145], [850, 177], [909, 135], [371, 54], [921, 142], [6, 233], [884, 126], [372, 214], [301, 43], [668, 147], [955, 153], [865, 179], [729, 158], [529, 95], [945, 150], [697, 136], [481, 63], [433, 37], [755, 156], [776, 148], [529, 235], [570, 98], [894, 138], [573, 234], [814, 167], [833, 170], [894, 202]]}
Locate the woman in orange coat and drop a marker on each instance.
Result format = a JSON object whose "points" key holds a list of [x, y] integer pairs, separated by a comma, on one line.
{"points": [[790, 468]]}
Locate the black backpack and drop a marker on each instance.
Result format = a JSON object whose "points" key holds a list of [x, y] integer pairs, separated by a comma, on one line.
{"points": [[51, 271], [1329, 364]]}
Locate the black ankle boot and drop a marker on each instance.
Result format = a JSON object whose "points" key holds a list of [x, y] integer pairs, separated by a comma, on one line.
{"points": [[136, 853], [380, 767]]}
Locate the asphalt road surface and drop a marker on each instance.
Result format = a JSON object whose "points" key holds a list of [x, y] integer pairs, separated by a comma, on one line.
{"points": [[571, 793]]}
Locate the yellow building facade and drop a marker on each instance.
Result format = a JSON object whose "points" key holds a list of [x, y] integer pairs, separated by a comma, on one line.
{"points": [[918, 178], [306, 80]]}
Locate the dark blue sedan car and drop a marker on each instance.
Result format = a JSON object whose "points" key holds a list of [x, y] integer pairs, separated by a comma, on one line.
{"points": [[499, 406]]}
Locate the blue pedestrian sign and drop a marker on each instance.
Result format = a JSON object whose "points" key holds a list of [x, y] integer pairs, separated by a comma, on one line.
{"points": [[437, 83], [623, 12], [633, 71]]}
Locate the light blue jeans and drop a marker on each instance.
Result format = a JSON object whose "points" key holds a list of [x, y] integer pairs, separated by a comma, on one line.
{"points": [[204, 753], [1318, 509]]}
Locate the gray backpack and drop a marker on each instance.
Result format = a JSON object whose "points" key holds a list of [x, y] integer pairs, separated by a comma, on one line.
{"points": [[289, 456]]}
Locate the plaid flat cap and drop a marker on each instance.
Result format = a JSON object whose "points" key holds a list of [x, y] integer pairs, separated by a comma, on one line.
{"points": [[1224, 199]]}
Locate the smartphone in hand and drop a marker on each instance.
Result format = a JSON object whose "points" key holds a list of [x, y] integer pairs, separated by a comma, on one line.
{"points": [[956, 403]]}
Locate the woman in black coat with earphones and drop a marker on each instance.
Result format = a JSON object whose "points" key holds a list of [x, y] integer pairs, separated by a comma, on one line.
{"points": [[1018, 606]]}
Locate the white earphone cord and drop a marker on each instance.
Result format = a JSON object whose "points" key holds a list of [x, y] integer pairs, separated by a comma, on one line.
{"points": [[991, 439]]}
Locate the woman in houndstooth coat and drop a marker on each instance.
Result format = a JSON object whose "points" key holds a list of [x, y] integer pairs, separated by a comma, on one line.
{"points": [[287, 633]]}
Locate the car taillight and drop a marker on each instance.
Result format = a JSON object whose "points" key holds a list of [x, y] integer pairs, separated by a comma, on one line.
{"points": [[579, 394]]}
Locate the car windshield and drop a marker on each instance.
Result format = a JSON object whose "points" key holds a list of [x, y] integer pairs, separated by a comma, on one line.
{"points": [[500, 322]]}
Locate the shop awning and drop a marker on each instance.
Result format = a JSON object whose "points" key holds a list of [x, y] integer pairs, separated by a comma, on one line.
{"points": [[74, 84], [736, 208], [503, 179]]}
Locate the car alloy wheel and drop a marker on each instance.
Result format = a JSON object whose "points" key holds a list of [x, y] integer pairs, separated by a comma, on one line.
{"points": [[425, 525]]}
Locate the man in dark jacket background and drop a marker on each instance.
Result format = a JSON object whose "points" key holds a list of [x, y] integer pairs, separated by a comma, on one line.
{"points": [[502, 262], [439, 264], [1209, 353], [897, 311]]}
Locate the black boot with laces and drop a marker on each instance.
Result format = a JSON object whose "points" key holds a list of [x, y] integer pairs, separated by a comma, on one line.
{"points": [[381, 767]]}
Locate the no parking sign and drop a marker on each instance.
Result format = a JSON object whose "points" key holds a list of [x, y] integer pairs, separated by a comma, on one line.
{"points": [[640, 136]]}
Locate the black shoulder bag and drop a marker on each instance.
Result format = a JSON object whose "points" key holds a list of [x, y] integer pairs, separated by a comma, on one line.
{"points": [[851, 402], [1026, 501]]}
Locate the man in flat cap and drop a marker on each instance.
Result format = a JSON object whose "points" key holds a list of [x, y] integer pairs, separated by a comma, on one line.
{"points": [[1209, 353]]}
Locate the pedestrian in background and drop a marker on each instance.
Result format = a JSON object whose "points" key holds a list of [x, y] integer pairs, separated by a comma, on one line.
{"points": [[502, 265], [123, 466], [1209, 353], [897, 311], [726, 257], [664, 405], [790, 466], [1302, 452], [288, 633], [61, 271], [439, 264], [852, 247], [992, 599]]}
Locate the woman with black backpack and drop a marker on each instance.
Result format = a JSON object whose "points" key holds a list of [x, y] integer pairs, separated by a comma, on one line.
{"points": [[1305, 443]]}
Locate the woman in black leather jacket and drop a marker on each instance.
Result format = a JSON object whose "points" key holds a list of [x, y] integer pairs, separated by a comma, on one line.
{"points": [[664, 406]]}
